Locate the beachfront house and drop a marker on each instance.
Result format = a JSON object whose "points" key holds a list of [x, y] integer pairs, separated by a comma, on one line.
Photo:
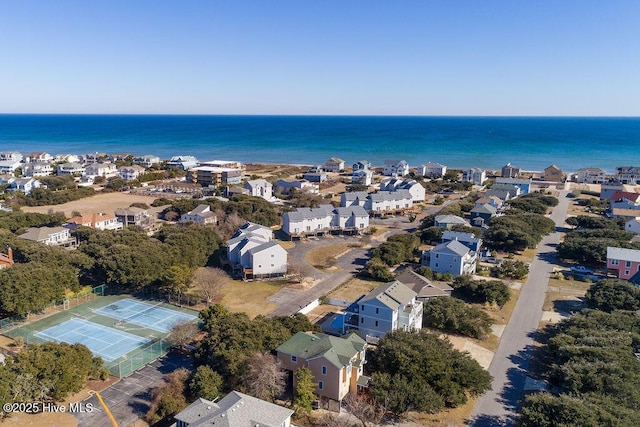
{"points": [[234, 410], [10, 161], [260, 188], [334, 164], [395, 168], [201, 214], [362, 177], [147, 160], [97, 221], [72, 168], [37, 169], [182, 162], [106, 170], [622, 262], [628, 174], [10, 156], [252, 253], [361, 165], [284, 186], [510, 171], [524, 184], [475, 175], [129, 173], [37, 157], [315, 174], [389, 307], [416, 189], [24, 184], [553, 174], [591, 176], [336, 364], [51, 236], [432, 170], [451, 257]]}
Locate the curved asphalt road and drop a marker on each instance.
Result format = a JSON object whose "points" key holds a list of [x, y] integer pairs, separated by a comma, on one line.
{"points": [[499, 406]]}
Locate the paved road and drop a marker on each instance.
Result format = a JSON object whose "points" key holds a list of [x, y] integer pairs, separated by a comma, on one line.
{"points": [[499, 406]]}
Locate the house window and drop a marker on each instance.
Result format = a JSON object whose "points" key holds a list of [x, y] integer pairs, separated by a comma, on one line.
{"points": [[437, 255], [361, 320], [627, 264], [376, 323], [626, 272], [294, 359], [362, 308], [377, 310], [436, 265], [259, 265], [614, 262], [324, 370], [272, 255], [320, 385], [272, 265]]}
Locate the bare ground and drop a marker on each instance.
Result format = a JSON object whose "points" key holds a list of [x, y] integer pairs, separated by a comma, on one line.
{"points": [[104, 202]]}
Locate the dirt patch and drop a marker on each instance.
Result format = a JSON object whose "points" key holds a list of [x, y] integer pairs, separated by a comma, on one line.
{"points": [[250, 297], [321, 311], [353, 288], [105, 202], [324, 257]]}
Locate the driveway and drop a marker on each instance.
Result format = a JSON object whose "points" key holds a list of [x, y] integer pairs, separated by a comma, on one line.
{"points": [[499, 406]]}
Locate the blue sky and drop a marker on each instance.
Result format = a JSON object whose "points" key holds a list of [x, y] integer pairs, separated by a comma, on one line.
{"points": [[413, 57]]}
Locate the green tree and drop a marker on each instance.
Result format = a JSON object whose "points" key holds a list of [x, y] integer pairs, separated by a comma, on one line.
{"points": [[205, 383], [613, 294], [304, 391], [454, 316]]}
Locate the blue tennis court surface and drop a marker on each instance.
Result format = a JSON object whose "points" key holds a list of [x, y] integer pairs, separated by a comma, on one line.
{"points": [[105, 342], [146, 315]]}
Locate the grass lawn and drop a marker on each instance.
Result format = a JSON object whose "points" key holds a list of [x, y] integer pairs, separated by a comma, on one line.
{"points": [[564, 294], [448, 417], [250, 297], [353, 288], [323, 257]]}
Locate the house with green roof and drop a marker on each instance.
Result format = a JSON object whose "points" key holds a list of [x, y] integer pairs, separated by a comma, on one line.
{"points": [[336, 363]]}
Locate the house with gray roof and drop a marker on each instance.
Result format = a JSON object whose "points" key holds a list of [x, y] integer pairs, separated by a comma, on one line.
{"points": [[284, 186], [354, 198], [424, 288], [524, 184], [201, 214], [24, 184], [448, 221], [234, 410], [52, 236], [395, 168], [325, 219], [451, 257], [503, 191], [432, 170], [362, 165], [416, 189], [484, 212], [260, 188], [252, 253], [336, 363], [182, 162], [387, 308], [468, 239], [591, 176], [383, 202], [334, 164], [362, 177]]}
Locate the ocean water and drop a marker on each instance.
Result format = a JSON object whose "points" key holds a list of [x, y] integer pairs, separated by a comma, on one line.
{"points": [[531, 143]]}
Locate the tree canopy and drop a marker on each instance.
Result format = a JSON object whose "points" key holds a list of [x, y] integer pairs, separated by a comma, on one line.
{"points": [[517, 231]]}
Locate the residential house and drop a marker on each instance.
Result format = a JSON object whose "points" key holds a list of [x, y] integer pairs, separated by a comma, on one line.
{"points": [[628, 174], [315, 174], [553, 174], [24, 184], [260, 188], [633, 225], [252, 252], [623, 213], [416, 189], [624, 263], [475, 175], [624, 199], [37, 157], [202, 214], [234, 410], [362, 177], [70, 169], [503, 191], [97, 221], [52, 236], [323, 219], [106, 170], [129, 173], [120, 157], [609, 189], [432, 170], [37, 169], [284, 187], [481, 215], [395, 168], [336, 364], [362, 165], [235, 190], [134, 216], [214, 176], [591, 176], [334, 164], [10, 156], [510, 171], [93, 158], [389, 307], [7, 178], [449, 221], [10, 165], [451, 257], [424, 288], [523, 184], [147, 160], [392, 202], [354, 198], [468, 239], [66, 158], [228, 164], [6, 261], [182, 162], [489, 200]]}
